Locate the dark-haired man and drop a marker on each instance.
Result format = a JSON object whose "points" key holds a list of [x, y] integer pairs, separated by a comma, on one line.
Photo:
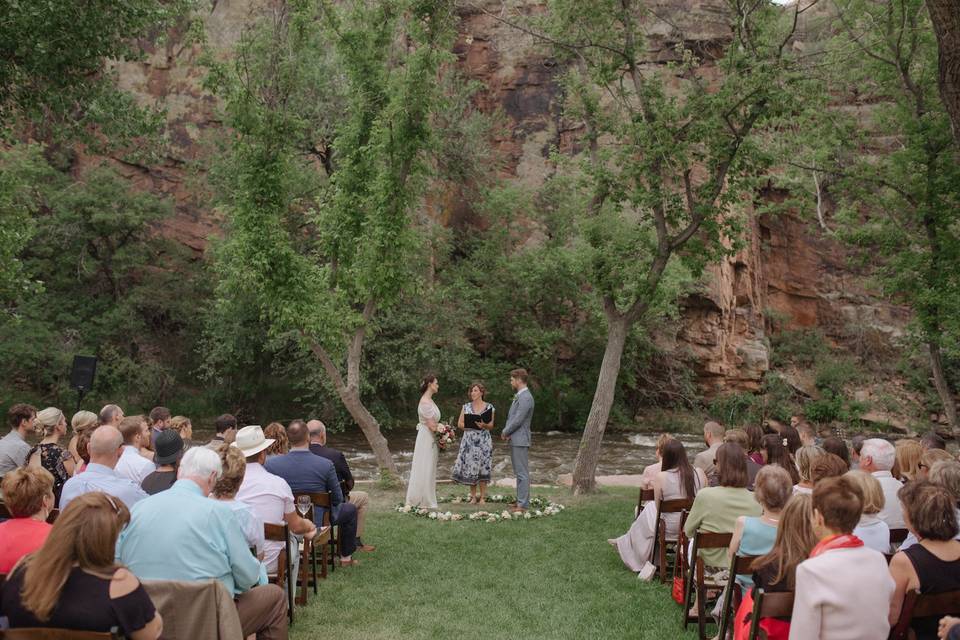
{"points": [[226, 426], [13, 446], [159, 420]]}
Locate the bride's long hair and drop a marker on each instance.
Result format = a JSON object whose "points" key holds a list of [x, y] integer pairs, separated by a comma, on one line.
{"points": [[428, 380]]}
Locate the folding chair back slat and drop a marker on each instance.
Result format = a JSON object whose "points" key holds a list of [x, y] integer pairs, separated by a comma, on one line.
{"points": [[917, 605], [695, 578], [738, 565], [769, 605], [897, 536], [281, 533], [646, 495], [660, 542]]}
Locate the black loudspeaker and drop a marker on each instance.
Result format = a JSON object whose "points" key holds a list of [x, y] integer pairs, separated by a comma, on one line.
{"points": [[83, 372]]}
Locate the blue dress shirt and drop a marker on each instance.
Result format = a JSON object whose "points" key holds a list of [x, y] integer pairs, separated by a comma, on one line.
{"points": [[178, 534], [98, 477], [309, 473]]}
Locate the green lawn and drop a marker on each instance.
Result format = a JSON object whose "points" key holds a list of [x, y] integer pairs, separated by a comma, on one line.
{"points": [[551, 578]]}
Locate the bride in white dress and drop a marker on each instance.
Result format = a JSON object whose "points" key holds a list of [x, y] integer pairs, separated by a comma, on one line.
{"points": [[422, 487]]}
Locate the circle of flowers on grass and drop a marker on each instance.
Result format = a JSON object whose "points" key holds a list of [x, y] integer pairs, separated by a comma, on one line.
{"points": [[539, 508]]}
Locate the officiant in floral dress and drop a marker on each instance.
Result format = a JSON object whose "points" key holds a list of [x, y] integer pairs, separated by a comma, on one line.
{"points": [[476, 446]]}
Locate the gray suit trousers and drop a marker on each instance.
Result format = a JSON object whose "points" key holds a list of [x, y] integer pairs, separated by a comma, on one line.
{"points": [[521, 469]]}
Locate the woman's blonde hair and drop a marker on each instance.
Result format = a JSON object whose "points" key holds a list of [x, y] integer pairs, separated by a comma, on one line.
{"points": [[281, 445], [83, 420], [180, 424], [24, 490], [794, 542], [234, 468], [48, 419], [909, 453], [85, 534], [661, 441], [804, 458], [873, 500]]}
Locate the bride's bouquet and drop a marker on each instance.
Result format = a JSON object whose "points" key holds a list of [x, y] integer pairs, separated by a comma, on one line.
{"points": [[445, 436]]}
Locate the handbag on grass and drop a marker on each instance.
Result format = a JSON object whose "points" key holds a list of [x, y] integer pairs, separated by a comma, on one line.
{"points": [[678, 590]]}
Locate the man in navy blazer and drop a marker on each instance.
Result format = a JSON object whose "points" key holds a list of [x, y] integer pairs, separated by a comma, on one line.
{"points": [[517, 432], [308, 473]]}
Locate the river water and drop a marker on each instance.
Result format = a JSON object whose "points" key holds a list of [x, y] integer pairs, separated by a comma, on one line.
{"points": [[551, 455]]}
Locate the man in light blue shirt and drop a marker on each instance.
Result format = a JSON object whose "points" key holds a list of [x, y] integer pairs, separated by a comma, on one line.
{"points": [[106, 446], [180, 534]]}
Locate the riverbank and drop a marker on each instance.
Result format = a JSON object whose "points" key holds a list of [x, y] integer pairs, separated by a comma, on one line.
{"points": [[548, 579]]}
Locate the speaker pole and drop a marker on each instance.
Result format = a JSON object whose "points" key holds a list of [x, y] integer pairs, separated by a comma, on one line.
{"points": [[80, 394]]}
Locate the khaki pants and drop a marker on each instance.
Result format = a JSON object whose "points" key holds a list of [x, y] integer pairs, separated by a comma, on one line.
{"points": [[360, 500], [263, 611]]}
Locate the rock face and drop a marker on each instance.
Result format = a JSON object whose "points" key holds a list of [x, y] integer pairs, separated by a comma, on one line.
{"points": [[786, 267]]}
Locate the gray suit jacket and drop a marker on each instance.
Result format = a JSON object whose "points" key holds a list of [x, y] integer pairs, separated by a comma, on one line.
{"points": [[519, 418]]}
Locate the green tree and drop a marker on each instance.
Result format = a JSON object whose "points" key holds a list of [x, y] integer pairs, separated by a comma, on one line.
{"points": [[894, 172], [320, 251], [670, 154]]}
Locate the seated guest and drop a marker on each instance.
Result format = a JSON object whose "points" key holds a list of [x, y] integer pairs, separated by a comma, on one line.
{"points": [[842, 588], [651, 470], [827, 465], [83, 450], [947, 475], [133, 466], [82, 421], [792, 437], [837, 447], [168, 451], [106, 446], [359, 499], [72, 582], [856, 445], [716, 509], [268, 495], [309, 473], [907, 457], [278, 434], [808, 437], [870, 528], [754, 442], [932, 565], [775, 571], [234, 467], [739, 436], [226, 426], [183, 426], [877, 457], [929, 458], [179, 534], [13, 446], [775, 452], [754, 536], [28, 495], [805, 457], [676, 481], [159, 420], [48, 453], [713, 436]]}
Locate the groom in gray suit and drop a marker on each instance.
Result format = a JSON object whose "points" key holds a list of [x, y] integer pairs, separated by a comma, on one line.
{"points": [[517, 433]]}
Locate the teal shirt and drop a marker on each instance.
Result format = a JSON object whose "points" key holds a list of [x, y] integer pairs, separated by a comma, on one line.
{"points": [[178, 534], [757, 540]]}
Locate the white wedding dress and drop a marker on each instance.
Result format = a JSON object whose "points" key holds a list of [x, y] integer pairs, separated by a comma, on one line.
{"points": [[422, 487]]}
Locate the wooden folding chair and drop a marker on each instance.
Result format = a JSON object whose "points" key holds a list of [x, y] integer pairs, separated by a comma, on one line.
{"points": [[918, 605], [778, 604], [646, 495], [731, 595], [897, 536], [281, 533], [660, 542], [325, 534], [696, 577], [25, 633]]}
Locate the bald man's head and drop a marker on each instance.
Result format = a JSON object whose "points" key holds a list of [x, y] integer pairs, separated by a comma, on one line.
{"points": [[104, 447], [111, 414], [318, 432]]}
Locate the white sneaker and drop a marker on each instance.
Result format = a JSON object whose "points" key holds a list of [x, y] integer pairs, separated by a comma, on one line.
{"points": [[647, 572]]}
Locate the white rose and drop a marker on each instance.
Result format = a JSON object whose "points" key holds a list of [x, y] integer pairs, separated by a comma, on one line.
{"points": [[433, 515], [407, 508], [526, 515], [492, 519], [456, 517], [421, 512], [505, 513], [538, 513]]}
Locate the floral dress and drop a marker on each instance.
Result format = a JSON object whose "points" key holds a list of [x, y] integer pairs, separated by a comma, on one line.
{"points": [[51, 459], [476, 452]]}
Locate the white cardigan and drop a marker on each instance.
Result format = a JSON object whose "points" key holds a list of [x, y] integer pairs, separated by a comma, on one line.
{"points": [[842, 594]]}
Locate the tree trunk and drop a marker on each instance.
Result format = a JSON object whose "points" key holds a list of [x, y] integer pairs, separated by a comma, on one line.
{"points": [[589, 453], [371, 429], [945, 15], [943, 387]]}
